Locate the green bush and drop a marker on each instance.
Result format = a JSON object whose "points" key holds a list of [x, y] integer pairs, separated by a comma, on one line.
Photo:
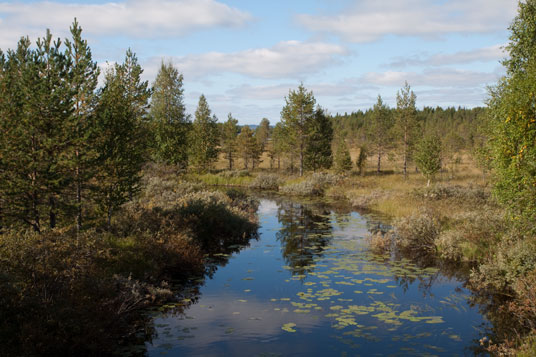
{"points": [[314, 185]]}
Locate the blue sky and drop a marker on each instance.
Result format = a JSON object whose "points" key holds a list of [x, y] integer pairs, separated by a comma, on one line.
{"points": [[245, 55]]}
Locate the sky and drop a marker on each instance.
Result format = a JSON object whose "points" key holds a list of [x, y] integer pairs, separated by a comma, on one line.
{"points": [[245, 55]]}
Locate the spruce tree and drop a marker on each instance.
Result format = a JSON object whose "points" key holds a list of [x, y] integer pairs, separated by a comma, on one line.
{"points": [[170, 121], [318, 153], [279, 145], [343, 160], [204, 137]]}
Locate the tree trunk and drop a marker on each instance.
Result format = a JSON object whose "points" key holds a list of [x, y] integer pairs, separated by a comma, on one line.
{"points": [[301, 159], [78, 201], [379, 162], [405, 154], [52, 212]]}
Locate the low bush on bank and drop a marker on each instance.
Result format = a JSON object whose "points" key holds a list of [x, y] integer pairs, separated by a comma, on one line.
{"points": [[417, 234], [63, 293], [314, 185], [266, 182]]}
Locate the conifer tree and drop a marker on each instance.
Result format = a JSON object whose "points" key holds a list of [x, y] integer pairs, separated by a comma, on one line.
{"points": [[406, 120], [204, 137], [318, 153], [279, 145], [343, 160], [361, 161], [262, 134], [247, 146], [296, 115], [119, 142], [380, 130], [229, 139], [170, 121], [81, 153]]}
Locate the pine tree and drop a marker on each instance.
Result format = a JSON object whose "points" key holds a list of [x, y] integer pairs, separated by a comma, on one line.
{"points": [[229, 139], [296, 115], [318, 153], [81, 154], [170, 121], [279, 144], [204, 137], [119, 142], [380, 130], [262, 134], [247, 146], [406, 120]]}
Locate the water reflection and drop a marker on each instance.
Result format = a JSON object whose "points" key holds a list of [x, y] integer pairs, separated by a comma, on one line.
{"points": [[310, 286]]}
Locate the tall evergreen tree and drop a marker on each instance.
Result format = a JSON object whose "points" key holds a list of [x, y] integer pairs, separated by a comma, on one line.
{"points": [[296, 115], [119, 141], [229, 139], [406, 120], [318, 153], [204, 137], [170, 121], [262, 134], [82, 154], [380, 130], [35, 106]]}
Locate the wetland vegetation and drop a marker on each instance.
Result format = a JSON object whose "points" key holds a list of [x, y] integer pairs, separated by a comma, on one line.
{"points": [[128, 228]]}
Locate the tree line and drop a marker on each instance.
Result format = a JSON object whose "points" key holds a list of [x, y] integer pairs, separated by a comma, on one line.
{"points": [[71, 151]]}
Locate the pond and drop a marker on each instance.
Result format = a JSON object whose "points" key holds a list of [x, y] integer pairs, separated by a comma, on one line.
{"points": [[309, 286]]}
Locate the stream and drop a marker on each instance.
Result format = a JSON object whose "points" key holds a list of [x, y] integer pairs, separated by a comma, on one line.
{"points": [[309, 286]]}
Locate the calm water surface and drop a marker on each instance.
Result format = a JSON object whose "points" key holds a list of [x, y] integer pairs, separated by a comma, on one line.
{"points": [[309, 286]]}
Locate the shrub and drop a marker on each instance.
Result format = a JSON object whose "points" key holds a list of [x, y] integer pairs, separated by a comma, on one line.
{"points": [[314, 185], [266, 182], [472, 236], [417, 234], [471, 194], [380, 242]]}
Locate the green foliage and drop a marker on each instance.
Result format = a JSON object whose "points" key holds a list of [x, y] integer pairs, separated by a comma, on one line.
{"points": [[406, 121], [314, 185], [512, 143], [343, 160], [428, 156], [171, 124], [228, 139], [248, 147], [379, 130], [318, 153], [280, 144], [119, 136], [296, 117], [361, 161], [262, 134], [204, 137]]}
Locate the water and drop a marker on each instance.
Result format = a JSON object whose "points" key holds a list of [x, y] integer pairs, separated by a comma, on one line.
{"points": [[309, 286]]}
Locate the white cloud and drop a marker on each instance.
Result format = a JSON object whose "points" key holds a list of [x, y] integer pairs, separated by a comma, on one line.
{"points": [[432, 78], [140, 18], [487, 54], [287, 59], [370, 20]]}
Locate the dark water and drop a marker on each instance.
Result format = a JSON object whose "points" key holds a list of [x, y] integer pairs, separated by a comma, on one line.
{"points": [[309, 286]]}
